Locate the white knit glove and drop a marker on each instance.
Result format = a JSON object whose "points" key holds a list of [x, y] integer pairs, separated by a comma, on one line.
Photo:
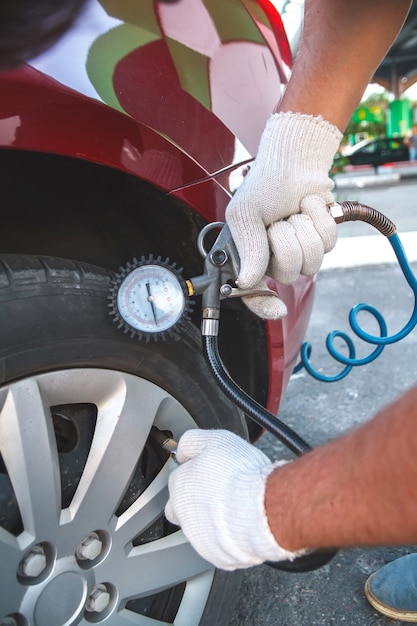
{"points": [[217, 497], [278, 217]]}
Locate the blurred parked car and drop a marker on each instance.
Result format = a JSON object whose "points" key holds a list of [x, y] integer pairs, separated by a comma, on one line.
{"points": [[376, 152], [123, 140]]}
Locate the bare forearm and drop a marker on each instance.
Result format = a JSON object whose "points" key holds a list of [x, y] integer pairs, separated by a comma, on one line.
{"points": [[343, 43], [359, 490]]}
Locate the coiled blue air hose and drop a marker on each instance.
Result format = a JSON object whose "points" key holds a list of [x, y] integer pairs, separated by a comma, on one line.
{"points": [[350, 211]]}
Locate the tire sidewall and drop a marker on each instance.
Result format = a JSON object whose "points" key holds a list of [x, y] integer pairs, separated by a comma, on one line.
{"points": [[53, 325]]}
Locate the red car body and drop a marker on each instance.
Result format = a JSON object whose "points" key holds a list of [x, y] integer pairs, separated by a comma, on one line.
{"points": [[173, 94], [124, 140]]}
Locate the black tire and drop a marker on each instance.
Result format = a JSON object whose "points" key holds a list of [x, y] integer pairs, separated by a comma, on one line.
{"points": [[56, 336]]}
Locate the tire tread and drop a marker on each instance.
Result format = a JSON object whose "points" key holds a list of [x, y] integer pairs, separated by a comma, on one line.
{"points": [[41, 274]]}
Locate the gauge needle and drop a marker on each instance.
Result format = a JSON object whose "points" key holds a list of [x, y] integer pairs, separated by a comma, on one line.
{"points": [[150, 300]]}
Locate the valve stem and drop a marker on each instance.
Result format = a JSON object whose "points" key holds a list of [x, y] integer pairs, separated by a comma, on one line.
{"points": [[166, 442]]}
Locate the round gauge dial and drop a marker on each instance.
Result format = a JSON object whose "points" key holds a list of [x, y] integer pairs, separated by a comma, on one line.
{"points": [[149, 297]]}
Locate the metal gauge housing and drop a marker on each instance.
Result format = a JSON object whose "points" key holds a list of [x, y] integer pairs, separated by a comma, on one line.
{"points": [[149, 298]]}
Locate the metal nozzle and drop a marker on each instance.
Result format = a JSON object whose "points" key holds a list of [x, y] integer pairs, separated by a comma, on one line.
{"points": [[165, 441]]}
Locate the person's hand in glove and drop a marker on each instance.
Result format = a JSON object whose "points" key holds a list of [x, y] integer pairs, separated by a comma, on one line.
{"points": [[278, 217], [217, 497]]}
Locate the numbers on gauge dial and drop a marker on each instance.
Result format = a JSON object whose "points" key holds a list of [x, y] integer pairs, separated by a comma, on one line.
{"points": [[149, 298]]}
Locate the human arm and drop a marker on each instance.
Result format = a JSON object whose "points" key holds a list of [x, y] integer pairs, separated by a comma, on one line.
{"points": [[359, 490], [278, 217], [342, 45], [238, 509]]}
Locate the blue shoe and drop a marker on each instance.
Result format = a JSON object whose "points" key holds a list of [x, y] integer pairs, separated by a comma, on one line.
{"points": [[392, 590]]}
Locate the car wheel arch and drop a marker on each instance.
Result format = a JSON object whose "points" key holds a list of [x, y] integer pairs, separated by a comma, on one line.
{"points": [[87, 212]]}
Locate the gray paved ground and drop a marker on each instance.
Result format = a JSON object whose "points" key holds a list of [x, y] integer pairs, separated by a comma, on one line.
{"points": [[334, 594]]}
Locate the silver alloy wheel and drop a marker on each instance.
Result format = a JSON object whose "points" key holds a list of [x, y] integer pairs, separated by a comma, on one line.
{"points": [[80, 564]]}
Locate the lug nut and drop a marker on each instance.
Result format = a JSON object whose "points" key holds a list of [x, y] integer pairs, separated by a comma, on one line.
{"points": [[89, 548], [34, 562], [98, 600]]}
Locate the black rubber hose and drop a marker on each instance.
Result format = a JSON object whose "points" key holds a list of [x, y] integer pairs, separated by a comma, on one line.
{"points": [[249, 406], [271, 423]]}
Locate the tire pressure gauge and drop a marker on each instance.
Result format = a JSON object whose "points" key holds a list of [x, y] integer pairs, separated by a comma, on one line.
{"points": [[149, 298]]}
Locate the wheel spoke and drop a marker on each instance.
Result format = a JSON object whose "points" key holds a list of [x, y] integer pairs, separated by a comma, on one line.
{"points": [[10, 554], [124, 617], [159, 565], [124, 419], [145, 510], [28, 447]]}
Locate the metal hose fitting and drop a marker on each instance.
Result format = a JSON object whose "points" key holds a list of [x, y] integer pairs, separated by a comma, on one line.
{"points": [[350, 211]]}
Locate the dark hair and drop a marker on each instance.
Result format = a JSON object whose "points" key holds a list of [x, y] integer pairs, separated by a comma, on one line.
{"points": [[28, 27]]}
